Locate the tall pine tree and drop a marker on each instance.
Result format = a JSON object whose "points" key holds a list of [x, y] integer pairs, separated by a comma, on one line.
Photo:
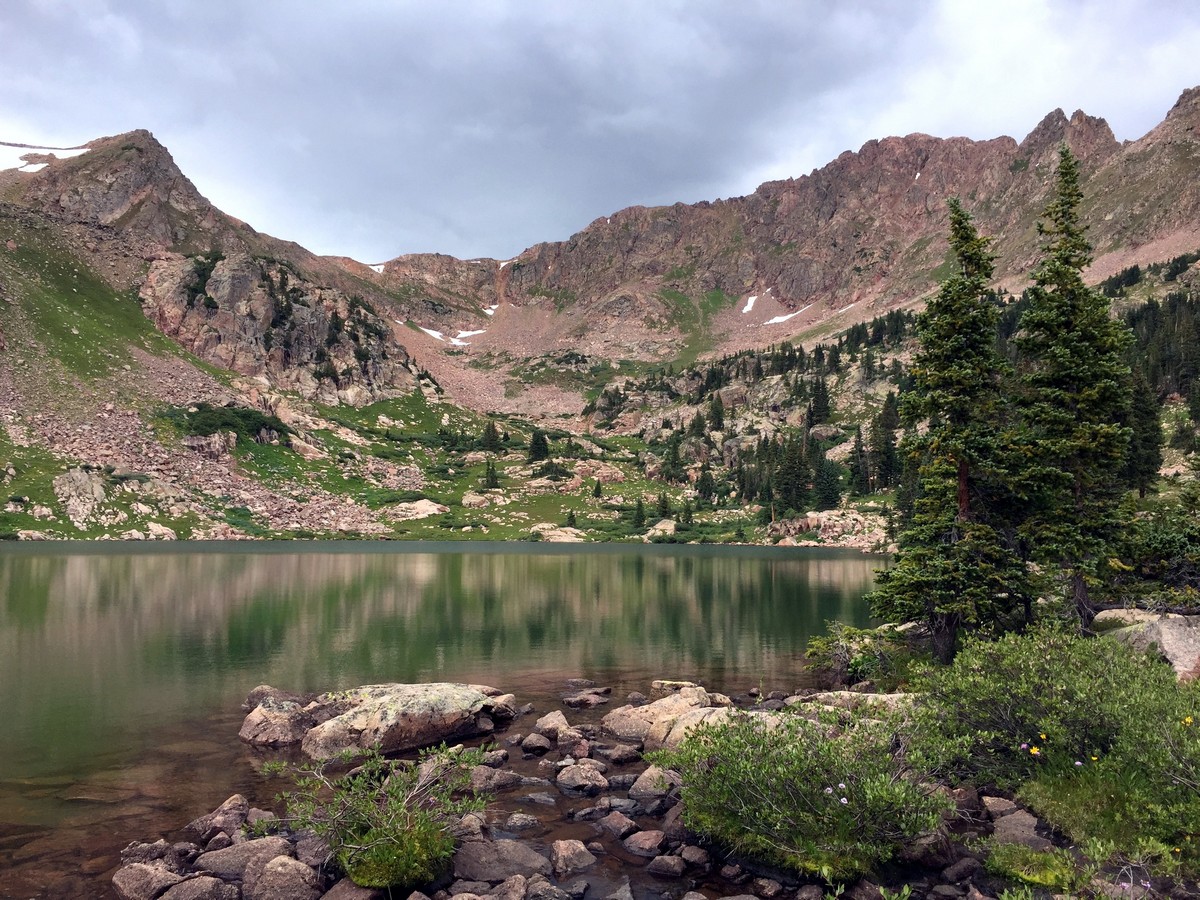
{"points": [[954, 570], [1074, 390]]}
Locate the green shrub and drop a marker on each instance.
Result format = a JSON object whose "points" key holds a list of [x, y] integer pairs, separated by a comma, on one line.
{"points": [[855, 654], [388, 824], [783, 790], [1054, 869], [1099, 739]]}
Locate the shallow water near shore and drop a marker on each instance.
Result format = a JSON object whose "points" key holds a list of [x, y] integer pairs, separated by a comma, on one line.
{"points": [[122, 669]]}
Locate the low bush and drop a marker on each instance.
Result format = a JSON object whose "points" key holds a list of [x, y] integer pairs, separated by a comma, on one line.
{"points": [[784, 790], [882, 655], [388, 824], [1097, 738]]}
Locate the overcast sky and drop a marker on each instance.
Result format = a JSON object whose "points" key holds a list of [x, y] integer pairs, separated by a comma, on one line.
{"points": [[371, 128]]}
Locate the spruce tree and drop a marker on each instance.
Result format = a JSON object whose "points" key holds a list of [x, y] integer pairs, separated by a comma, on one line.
{"points": [[1075, 387], [954, 571], [639, 514], [860, 476], [490, 440], [539, 447], [1144, 457]]}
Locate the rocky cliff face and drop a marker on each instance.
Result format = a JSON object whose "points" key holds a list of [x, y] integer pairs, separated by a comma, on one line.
{"points": [[237, 299]]}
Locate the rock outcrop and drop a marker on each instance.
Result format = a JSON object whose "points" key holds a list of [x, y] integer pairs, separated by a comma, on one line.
{"points": [[387, 717]]}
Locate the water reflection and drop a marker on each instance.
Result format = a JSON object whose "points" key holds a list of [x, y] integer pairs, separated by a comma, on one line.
{"points": [[103, 651]]}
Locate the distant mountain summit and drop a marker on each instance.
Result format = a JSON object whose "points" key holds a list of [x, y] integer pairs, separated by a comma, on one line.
{"points": [[794, 259]]}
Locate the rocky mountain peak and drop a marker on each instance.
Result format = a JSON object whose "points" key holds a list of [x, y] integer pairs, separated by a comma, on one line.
{"points": [[128, 180], [1089, 137], [1182, 122]]}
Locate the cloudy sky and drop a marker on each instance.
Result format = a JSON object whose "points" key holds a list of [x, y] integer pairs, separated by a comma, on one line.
{"points": [[371, 128]]}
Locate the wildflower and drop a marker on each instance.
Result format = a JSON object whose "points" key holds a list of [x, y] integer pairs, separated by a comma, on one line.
{"points": [[1094, 758], [841, 786], [843, 801], [1035, 751], [829, 790], [1078, 763], [1042, 736], [1176, 850], [1024, 746], [1187, 721]]}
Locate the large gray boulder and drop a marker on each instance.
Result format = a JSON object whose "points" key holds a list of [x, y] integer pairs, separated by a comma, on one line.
{"points": [[142, 881], [635, 723], [390, 718], [494, 861], [1175, 638]]}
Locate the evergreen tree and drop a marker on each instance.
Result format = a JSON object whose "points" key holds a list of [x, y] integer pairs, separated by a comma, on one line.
{"points": [[882, 459], [790, 481], [1144, 457], [570, 518], [639, 514], [1075, 392], [827, 485], [539, 447], [706, 485], [860, 476], [597, 491], [490, 477], [663, 508], [821, 407], [490, 440], [716, 413], [954, 570]]}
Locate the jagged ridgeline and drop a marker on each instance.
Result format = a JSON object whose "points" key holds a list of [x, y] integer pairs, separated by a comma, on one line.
{"points": [[739, 360]]}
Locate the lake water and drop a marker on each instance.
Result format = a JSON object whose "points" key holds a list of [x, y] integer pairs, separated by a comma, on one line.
{"points": [[122, 669]]}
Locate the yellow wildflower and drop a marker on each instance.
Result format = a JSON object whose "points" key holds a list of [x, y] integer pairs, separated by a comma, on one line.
{"points": [[1035, 751]]}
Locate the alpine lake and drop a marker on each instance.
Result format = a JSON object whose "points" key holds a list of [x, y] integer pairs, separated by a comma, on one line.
{"points": [[123, 669]]}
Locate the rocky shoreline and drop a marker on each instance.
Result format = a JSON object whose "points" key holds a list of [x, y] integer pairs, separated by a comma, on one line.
{"points": [[574, 809]]}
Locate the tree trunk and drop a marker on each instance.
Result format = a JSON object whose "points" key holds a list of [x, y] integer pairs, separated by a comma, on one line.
{"points": [[1083, 600], [944, 634]]}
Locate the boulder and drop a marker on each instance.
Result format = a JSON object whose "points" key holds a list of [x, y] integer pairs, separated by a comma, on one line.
{"points": [[634, 723], [276, 723], [580, 779], [494, 861], [228, 817], [667, 867], [284, 878], [645, 843], [203, 888], [569, 857], [550, 724], [232, 862], [396, 717], [654, 783], [1175, 638], [142, 881], [669, 733], [348, 890]]}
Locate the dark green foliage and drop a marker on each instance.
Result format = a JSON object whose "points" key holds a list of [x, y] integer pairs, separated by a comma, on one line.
{"points": [[786, 793], [1074, 384], [827, 484], [202, 269], [206, 420], [706, 485], [1166, 343], [491, 479], [1114, 286], [570, 521], [883, 462], [490, 439], [388, 824], [860, 473], [1144, 456], [954, 570], [639, 514], [552, 469], [821, 407], [1099, 739], [663, 507], [539, 447], [716, 413], [597, 490]]}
